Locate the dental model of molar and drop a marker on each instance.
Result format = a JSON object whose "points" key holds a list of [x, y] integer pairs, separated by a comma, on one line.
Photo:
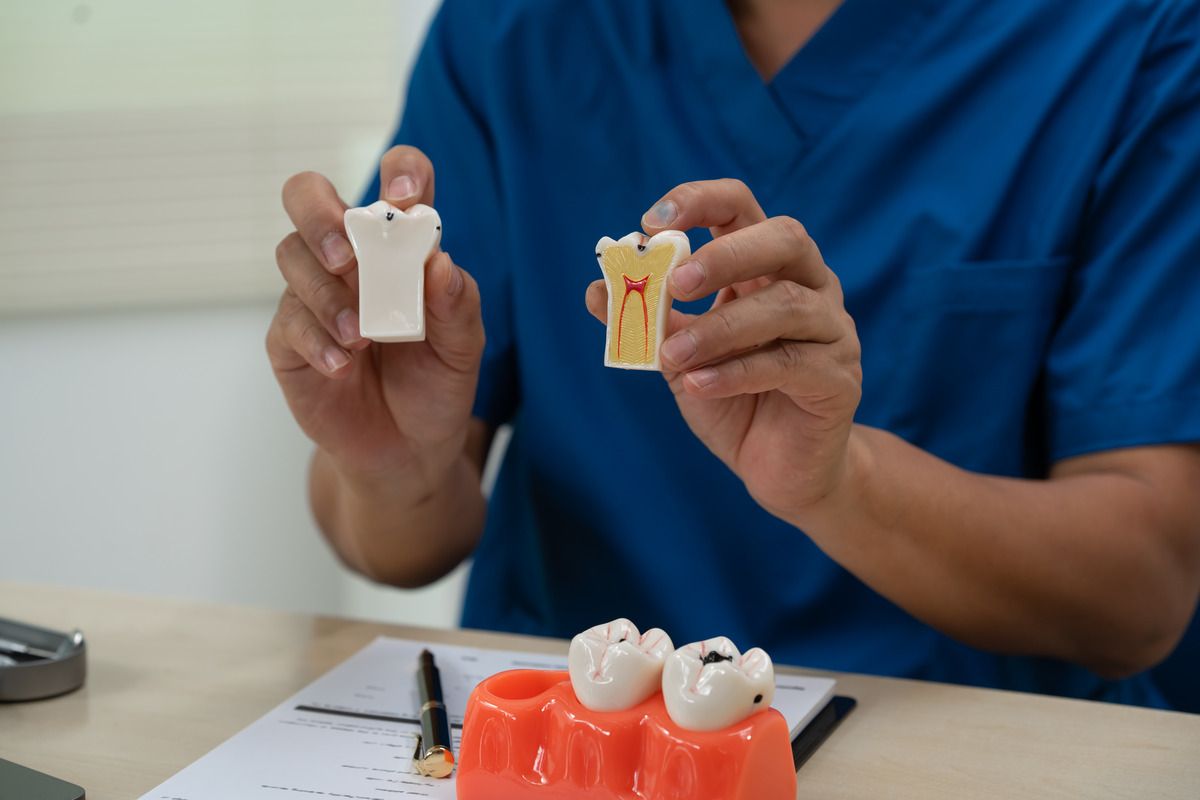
{"points": [[614, 667], [635, 271], [709, 685], [392, 246]]}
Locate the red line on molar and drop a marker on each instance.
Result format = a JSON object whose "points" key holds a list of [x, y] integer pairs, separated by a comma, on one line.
{"points": [[632, 286]]}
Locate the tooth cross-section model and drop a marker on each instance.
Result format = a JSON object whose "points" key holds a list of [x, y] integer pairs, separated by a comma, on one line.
{"points": [[392, 246], [709, 685], [613, 667], [635, 271]]}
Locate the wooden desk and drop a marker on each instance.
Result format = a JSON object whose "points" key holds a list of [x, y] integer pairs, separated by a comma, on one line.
{"points": [[170, 680]]}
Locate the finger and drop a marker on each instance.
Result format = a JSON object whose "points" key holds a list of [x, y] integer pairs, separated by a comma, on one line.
{"points": [[454, 322], [406, 177], [315, 209], [799, 369], [722, 206], [296, 340], [596, 299], [326, 296], [779, 249], [780, 310]]}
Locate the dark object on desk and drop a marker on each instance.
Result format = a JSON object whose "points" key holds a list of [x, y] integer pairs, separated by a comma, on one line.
{"points": [[818, 729], [434, 756], [36, 663], [22, 783]]}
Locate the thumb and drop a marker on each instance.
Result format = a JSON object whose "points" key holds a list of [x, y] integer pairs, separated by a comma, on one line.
{"points": [[453, 318]]}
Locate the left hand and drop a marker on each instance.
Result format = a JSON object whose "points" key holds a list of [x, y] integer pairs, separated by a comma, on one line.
{"points": [[770, 376]]}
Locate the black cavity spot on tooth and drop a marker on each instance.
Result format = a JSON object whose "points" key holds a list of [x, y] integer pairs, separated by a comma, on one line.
{"points": [[390, 214], [439, 227], [641, 248], [713, 657], [758, 698], [623, 639], [597, 254]]}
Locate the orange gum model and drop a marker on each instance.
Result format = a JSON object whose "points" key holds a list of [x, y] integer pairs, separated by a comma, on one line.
{"points": [[526, 736]]}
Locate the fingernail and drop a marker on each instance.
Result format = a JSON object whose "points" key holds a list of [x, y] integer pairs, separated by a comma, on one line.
{"points": [[347, 326], [679, 349], [337, 250], [687, 277], [703, 377], [661, 214], [402, 187], [335, 358]]}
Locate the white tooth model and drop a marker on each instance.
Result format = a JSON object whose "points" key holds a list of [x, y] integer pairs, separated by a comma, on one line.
{"points": [[613, 667], [709, 685], [392, 247], [635, 271]]}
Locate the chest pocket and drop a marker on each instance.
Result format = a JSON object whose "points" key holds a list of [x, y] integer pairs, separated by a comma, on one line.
{"points": [[972, 338]]}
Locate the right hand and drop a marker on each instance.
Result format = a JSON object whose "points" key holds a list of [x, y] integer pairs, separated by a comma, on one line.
{"points": [[375, 409]]}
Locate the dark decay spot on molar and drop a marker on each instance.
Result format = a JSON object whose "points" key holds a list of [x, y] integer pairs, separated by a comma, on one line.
{"points": [[757, 699], [390, 215], [439, 227], [641, 248], [713, 657]]}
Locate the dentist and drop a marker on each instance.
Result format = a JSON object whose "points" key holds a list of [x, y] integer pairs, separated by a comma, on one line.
{"points": [[932, 387]]}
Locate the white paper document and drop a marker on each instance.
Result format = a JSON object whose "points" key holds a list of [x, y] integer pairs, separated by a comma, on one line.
{"points": [[351, 733]]}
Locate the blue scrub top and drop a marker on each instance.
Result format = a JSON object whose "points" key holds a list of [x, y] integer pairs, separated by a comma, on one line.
{"points": [[1008, 189]]}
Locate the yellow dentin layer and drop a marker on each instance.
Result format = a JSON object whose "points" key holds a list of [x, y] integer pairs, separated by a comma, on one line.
{"points": [[635, 292]]}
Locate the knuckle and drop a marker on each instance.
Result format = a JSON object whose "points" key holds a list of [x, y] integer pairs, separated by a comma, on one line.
{"points": [[793, 229], [318, 221], [789, 357], [290, 313], [834, 283], [735, 186], [850, 326], [795, 298], [720, 329], [733, 254], [323, 294], [286, 248], [286, 298], [310, 338], [686, 194], [740, 368], [853, 350], [275, 327]]}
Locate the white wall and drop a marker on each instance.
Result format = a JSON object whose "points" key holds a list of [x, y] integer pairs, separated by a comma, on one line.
{"points": [[151, 451], [144, 445]]}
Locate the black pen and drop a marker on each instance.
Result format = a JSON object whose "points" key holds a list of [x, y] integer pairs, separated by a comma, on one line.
{"points": [[434, 757]]}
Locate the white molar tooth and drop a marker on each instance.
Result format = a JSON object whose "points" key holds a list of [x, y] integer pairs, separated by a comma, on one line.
{"points": [[709, 685], [392, 246], [614, 667]]}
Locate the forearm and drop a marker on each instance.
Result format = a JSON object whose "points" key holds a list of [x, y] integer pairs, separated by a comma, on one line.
{"points": [[391, 528], [1082, 567]]}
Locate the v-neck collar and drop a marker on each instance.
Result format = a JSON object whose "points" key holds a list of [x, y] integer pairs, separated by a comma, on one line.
{"points": [[774, 124]]}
